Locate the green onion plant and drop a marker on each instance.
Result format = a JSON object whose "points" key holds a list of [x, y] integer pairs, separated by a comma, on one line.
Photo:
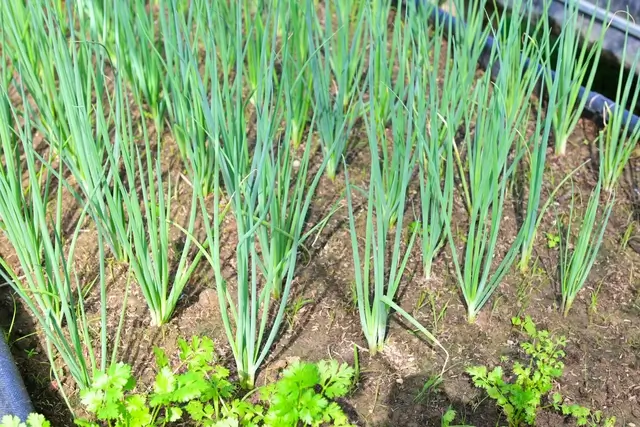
{"points": [[256, 35], [519, 38], [396, 151], [336, 66], [620, 138], [380, 266], [296, 69], [150, 217], [578, 253], [268, 197], [182, 82], [574, 64], [45, 279], [438, 115], [26, 42], [490, 165], [137, 54], [390, 49], [68, 86], [89, 152]]}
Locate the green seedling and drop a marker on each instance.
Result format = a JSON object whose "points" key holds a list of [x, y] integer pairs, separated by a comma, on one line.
{"points": [[294, 309], [449, 417], [553, 240], [593, 305], [430, 386], [337, 58], [526, 389], [620, 139]]}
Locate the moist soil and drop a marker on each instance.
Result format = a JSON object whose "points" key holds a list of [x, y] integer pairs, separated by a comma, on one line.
{"points": [[602, 364]]}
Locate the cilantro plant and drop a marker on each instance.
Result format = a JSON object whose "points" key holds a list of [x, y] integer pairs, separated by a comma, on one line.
{"points": [[113, 401], [522, 397], [303, 396], [199, 389], [33, 420], [449, 417]]}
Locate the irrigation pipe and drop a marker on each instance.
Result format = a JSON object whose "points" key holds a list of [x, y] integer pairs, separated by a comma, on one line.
{"points": [[596, 103]]}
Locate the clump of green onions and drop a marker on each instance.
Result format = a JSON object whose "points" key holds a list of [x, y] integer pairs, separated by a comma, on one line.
{"points": [[46, 281], [390, 51], [267, 195], [489, 167], [137, 54], [578, 253], [336, 66], [575, 64], [379, 269], [620, 138], [295, 67], [150, 217], [433, 132]]}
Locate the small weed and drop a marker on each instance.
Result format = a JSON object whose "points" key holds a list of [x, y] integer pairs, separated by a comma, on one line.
{"points": [[593, 305], [521, 398], [626, 236], [353, 294], [429, 387], [294, 309], [31, 352], [448, 417], [430, 298], [553, 240]]}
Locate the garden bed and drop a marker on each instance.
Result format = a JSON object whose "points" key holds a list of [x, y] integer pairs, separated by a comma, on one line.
{"points": [[321, 321]]}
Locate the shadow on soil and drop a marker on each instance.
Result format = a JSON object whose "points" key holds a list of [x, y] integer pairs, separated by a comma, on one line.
{"points": [[412, 403], [31, 360]]}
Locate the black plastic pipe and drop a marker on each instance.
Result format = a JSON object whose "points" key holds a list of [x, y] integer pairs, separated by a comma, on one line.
{"points": [[14, 399], [596, 103]]}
